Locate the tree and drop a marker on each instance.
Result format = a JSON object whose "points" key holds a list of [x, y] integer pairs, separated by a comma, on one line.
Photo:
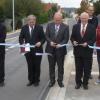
{"points": [[26, 7], [1, 14], [2, 10], [8, 8], [22, 8], [52, 11], [97, 7], [84, 4]]}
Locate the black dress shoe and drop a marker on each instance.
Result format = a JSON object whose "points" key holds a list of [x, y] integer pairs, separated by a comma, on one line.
{"points": [[77, 86], [85, 87], [30, 84], [51, 84], [60, 84], [2, 84], [36, 84]]}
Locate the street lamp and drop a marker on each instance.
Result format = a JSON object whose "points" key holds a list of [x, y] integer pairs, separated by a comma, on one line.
{"points": [[13, 14]]}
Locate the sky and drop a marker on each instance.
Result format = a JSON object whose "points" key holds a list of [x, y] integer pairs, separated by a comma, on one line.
{"points": [[66, 3]]}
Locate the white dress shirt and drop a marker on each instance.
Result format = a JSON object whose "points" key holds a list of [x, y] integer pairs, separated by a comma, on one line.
{"points": [[30, 29], [57, 28]]}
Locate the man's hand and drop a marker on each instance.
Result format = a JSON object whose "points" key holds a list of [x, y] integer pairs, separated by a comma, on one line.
{"points": [[75, 43], [58, 45], [38, 44], [53, 44], [84, 44]]}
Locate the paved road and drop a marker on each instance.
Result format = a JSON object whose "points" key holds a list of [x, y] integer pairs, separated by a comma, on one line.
{"points": [[16, 75], [93, 93], [69, 92], [16, 78]]}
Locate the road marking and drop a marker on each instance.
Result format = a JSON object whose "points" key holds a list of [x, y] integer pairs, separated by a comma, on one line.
{"points": [[43, 91], [12, 38], [93, 73], [13, 32]]}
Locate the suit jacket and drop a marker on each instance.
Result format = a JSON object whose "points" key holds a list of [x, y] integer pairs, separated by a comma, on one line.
{"points": [[93, 21], [2, 37], [89, 37], [36, 36], [61, 38]]}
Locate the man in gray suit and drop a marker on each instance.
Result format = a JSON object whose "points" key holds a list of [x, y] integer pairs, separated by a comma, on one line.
{"points": [[57, 33]]}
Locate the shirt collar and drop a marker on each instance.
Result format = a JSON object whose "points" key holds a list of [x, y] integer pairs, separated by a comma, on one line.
{"points": [[57, 26], [31, 27], [85, 25]]}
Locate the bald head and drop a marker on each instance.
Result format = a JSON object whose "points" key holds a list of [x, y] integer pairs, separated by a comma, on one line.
{"points": [[84, 14], [58, 18], [84, 17]]}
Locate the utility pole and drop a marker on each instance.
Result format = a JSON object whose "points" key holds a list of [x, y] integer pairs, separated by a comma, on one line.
{"points": [[13, 14]]}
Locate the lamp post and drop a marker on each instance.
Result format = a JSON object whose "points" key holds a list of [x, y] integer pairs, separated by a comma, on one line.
{"points": [[13, 14]]}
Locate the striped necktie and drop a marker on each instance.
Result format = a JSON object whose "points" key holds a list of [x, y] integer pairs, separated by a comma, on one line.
{"points": [[83, 31]]}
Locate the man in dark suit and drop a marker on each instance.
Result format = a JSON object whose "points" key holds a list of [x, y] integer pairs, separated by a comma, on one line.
{"points": [[57, 33], [83, 34], [92, 20], [34, 35], [2, 54]]}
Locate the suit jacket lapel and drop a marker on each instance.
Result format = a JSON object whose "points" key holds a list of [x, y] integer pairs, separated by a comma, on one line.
{"points": [[28, 31], [53, 28], [79, 30]]}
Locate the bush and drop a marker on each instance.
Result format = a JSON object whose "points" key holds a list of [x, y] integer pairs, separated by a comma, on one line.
{"points": [[42, 18]]}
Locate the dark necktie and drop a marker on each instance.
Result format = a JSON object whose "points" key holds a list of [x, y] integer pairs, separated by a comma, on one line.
{"points": [[31, 31], [83, 31]]}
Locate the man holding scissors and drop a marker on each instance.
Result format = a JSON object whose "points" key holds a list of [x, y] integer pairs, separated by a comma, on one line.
{"points": [[83, 34], [33, 34]]}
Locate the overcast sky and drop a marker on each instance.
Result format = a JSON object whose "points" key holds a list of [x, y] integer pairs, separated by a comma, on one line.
{"points": [[66, 3]]}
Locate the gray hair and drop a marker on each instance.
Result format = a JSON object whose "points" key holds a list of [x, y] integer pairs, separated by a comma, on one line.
{"points": [[30, 17]]}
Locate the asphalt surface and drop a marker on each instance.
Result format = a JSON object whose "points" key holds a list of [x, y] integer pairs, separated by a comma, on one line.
{"points": [[16, 74], [93, 93]]}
